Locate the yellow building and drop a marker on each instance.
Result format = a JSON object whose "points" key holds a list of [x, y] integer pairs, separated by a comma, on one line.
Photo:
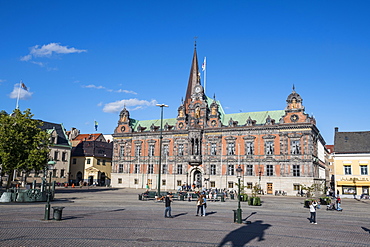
{"points": [[351, 159], [91, 160]]}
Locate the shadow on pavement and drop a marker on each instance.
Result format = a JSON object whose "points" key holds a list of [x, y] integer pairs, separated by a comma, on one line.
{"points": [[177, 215], [249, 216], [90, 214], [365, 229], [245, 234], [212, 212], [83, 190]]}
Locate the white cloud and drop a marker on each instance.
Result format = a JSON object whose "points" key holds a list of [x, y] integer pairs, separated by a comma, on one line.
{"points": [[109, 90], [131, 104], [93, 86], [48, 50], [23, 94], [125, 91]]}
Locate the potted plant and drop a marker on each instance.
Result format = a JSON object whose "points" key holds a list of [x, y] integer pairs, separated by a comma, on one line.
{"points": [[254, 200], [325, 200]]}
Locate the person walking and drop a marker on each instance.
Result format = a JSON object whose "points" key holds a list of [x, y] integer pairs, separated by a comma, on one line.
{"points": [[313, 205], [167, 204], [199, 206]]}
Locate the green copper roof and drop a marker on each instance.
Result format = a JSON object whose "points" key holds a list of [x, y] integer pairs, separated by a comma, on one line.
{"points": [[259, 117]]}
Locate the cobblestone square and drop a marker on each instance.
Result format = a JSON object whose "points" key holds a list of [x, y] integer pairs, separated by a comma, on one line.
{"points": [[115, 217]]}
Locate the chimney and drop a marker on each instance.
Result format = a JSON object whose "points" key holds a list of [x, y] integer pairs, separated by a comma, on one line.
{"points": [[336, 129]]}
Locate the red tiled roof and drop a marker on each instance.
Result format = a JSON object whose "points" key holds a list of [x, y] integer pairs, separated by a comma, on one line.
{"points": [[87, 137]]}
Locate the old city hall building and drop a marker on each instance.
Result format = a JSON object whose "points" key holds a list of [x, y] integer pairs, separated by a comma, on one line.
{"points": [[279, 150]]}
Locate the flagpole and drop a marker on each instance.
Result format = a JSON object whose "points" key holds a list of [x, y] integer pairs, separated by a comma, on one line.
{"points": [[204, 74], [19, 92]]}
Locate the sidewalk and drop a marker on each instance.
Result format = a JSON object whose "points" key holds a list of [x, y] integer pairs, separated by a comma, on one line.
{"points": [[115, 217]]}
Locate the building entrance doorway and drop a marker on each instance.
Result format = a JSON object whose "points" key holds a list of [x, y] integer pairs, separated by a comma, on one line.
{"points": [[91, 180], [269, 188], [197, 182]]}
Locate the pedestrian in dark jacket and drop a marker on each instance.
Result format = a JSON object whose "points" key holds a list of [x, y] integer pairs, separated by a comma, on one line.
{"points": [[167, 204]]}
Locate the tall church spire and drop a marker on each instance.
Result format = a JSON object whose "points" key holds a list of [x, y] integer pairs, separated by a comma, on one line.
{"points": [[194, 78]]}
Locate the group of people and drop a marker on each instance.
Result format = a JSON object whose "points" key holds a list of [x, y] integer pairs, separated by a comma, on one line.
{"points": [[313, 205], [201, 205]]}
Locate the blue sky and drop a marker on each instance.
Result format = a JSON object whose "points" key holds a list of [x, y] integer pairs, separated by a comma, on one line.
{"points": [[83, 60]]}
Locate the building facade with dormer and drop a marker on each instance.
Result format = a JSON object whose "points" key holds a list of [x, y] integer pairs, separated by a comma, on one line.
{"points": [[60, 153], [351, 159], [91, 160], [203, 146]]}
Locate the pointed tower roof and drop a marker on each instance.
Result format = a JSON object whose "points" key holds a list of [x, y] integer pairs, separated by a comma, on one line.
{"points": [[193, 78]]}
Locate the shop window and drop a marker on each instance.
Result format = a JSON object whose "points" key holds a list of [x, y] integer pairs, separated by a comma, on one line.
{"points": [[213, 184], [120, 181], [349, 190], [179, 182], [164, 182], [136, 181]]}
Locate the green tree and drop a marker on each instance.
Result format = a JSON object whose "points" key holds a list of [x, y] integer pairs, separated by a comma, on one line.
{"points": [[24, 146]]}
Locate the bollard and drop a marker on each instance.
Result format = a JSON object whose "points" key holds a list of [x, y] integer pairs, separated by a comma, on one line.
{"points": [[57, 214], [235, 215]]}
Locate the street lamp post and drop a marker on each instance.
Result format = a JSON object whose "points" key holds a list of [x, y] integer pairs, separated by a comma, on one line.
{"points": [[239, 172], [160, 150], [47, 206]]}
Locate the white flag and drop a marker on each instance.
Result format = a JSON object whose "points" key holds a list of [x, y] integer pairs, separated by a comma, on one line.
{"points": [[204, 64]]}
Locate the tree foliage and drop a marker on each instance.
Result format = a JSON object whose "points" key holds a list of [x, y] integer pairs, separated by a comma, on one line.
{"points": [[23, 144]]}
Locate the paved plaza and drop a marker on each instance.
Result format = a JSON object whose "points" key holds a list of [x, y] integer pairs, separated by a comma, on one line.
{"points": [[115, 217]]}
